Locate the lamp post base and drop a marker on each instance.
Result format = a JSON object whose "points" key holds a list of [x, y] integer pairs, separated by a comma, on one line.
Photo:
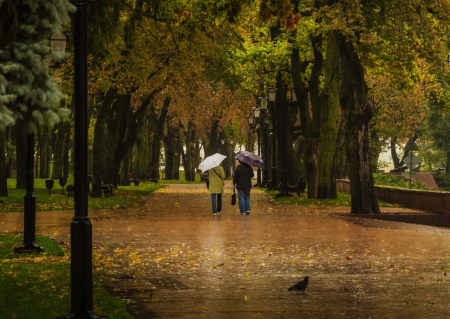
{"points": [[81, 270], [29, 231], [82, 315], [29, 247]]}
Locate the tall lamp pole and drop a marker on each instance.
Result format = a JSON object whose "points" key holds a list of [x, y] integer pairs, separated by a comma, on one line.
{"points": [[232, 155], [272, 93], [58, 43], [29, 213], [257, 127], [264, 126], [81, 226]]}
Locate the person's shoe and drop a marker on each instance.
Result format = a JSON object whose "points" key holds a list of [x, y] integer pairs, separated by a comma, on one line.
{"points": [[247, 213], [219, 212], [214, 214], [243, 214]]}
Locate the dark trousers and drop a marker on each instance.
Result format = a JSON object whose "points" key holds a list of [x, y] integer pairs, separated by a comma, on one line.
{"points": [[218, 208]]}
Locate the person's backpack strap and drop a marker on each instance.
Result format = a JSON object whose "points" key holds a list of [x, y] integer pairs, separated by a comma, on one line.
{"points": [[217, 175]]}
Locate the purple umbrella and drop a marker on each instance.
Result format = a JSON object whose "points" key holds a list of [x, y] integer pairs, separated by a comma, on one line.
{"points": [[249, 158]]}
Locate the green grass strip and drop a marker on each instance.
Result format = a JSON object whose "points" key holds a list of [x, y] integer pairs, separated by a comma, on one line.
{"points": [[42, 291], [343, 199], [121, 196], [39, 288], [9, 242]]}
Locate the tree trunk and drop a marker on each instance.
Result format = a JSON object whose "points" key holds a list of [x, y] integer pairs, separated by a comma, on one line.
{"points": [[9, 150], [357, 114], [310, 133], [58, 159], [3, 178], [293, 161], [395, 158], [44, 158], [213, 145], [188, 162], [169, 146], [183, 159], [329, 114], [98, 148], [117, 128], [178, 145], [21, 155], [156, 142], [447, 165], [141, 160], [224, 151], [38, 153], [124, 169], [66, 151]]}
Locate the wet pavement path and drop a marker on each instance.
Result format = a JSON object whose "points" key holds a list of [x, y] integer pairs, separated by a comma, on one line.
{"points": [[170, 258]]}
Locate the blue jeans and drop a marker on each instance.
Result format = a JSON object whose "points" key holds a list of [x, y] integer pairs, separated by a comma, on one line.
{"points": [[244, 200], [218, 208]]}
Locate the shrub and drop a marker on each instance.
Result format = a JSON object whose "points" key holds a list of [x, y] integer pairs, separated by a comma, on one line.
{"points": [[393, 181]]}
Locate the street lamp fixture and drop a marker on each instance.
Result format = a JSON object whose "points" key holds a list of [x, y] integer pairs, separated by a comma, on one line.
{"points": [[222, 141], [256, 112], [250, 119], [58, 41], [272, 94], [231, 141], [263, 103]]}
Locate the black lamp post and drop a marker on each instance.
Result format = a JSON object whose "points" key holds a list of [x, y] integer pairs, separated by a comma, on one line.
{"points": [[272, 93], [257, 114], [58, 43], [29, 213], [232, 154], [264, 128], [81, 227]]}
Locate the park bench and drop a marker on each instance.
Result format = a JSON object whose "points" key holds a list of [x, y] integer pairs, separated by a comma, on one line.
{"points": [[299, 188], [152, 179], [107, 189], [69, 189], [135, 181], [203, 177], [269, 185]]}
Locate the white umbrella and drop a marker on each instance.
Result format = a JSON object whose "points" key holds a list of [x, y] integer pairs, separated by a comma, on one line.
{"points": [[211, 162]]}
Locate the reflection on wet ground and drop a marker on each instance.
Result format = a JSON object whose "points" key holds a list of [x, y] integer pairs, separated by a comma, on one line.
{"points": [[172, 259]]}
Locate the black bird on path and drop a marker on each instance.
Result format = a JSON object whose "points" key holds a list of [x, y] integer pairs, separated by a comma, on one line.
{"points": [[301, 285]]}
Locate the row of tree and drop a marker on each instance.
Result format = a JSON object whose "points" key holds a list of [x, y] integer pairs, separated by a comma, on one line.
{"points": [[181, 75]]}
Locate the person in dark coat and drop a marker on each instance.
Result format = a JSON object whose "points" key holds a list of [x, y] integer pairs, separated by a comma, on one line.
{"points": [[242, 180]]}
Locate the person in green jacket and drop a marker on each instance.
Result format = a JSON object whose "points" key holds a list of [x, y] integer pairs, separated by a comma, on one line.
{"points": [[216, 177]]}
